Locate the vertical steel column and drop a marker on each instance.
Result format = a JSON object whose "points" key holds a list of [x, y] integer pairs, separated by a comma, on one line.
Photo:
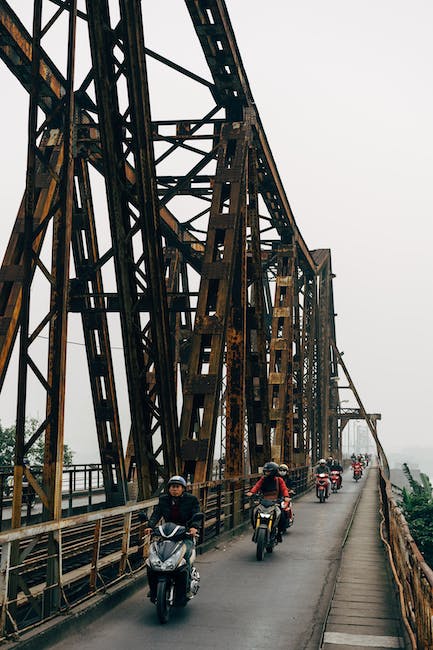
{"points": [[12, 276], [87, 298], [203, 387], [259, 444], [25, 339], [281, 356], [236, 357], [62, 229], [324, 359], [62, 233], [142, 147], [119, 201], [27, 270], [298, 387], [309, 369]]}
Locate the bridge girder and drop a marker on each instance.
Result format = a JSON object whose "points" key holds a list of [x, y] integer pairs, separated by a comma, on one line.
{"points": [[188, 342]]}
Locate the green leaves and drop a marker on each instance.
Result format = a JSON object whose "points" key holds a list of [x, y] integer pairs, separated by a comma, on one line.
{"points": [[417, 507], [35, 454]]}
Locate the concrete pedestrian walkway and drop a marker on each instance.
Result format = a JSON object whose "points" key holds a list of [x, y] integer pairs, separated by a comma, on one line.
{"points": [[364, 611]]}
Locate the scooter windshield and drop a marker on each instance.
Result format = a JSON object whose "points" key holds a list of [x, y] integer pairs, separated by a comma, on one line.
{"points": [[166, 548]]}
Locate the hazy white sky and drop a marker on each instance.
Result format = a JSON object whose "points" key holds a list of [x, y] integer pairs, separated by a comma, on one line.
{"points": [[344, 91]]}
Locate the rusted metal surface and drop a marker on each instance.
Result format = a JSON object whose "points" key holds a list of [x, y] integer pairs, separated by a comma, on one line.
{"points": [[257, 403], [202, 390], [168, 327], [281, 357], [90, 303]]}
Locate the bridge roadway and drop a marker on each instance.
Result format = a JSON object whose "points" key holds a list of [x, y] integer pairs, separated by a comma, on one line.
{"points": [[280, 603]]}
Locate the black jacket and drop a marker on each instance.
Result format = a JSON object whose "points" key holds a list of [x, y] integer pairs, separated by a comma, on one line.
{"points": [[189, 511]]}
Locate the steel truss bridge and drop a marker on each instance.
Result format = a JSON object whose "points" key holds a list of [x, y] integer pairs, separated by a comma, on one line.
{"points": [[226, 317]]}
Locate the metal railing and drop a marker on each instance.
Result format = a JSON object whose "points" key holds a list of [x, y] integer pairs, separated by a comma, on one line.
{"points": [[83, 480], [413, 576], [94, 550]]}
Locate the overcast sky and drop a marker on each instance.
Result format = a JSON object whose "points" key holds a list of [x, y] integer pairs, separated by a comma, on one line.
{"points": [[344, 92]]}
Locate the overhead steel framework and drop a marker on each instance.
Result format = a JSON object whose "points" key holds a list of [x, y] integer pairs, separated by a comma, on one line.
{"points": [[225, 314]]}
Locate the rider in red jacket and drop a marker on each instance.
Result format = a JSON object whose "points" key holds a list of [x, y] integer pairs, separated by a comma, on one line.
{"points": [[273, 487]]}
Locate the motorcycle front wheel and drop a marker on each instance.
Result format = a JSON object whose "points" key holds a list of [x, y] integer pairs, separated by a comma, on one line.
{"points": [[162, 601], [261, 544], [322, 497]]}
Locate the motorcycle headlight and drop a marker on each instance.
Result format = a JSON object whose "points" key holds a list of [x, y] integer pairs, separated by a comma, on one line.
{"points": [[173, 561], [264, 515], [154, 560]]}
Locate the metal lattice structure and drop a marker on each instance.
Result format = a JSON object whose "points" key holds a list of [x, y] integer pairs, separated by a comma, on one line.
{"points": [[212, 279]]}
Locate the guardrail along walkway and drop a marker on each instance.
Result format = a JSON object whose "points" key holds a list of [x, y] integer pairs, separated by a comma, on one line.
{"points": [[364, 611]]}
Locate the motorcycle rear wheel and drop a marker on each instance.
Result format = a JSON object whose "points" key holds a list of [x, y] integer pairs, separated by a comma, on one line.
{"points": [[261, 544], [162, 602]]}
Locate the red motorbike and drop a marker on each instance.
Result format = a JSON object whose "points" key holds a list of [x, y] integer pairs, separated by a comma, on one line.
{"points": [[322, 487], [287, 514], [357, 471], [335, 480]]}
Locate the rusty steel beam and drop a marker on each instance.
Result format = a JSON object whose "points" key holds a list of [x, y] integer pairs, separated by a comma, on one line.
{"points": [[281, 357], [16, 52], [297, 379], [143, 406], [145, 187], [327, 368], [232, 90], [236, 356], [309, 369], [259, 444], [202, 391], [50, 157], [86, 297], [221, 343], [101, 40]]}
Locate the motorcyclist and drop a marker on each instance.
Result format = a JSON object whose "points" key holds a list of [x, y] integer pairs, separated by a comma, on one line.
{"points": [[287, 513], [179, 507], [322, 468], [272, 487], [357, 466], [336, 466]]}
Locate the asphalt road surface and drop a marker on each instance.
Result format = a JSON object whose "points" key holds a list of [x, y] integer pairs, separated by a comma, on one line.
{"points": [[280, 603]]}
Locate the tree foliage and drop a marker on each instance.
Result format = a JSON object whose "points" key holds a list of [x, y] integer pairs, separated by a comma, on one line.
{"points": [[417, 507], [35, 453]]}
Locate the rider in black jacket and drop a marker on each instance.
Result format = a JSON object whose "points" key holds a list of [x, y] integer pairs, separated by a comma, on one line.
{"points": [[179, 507]]}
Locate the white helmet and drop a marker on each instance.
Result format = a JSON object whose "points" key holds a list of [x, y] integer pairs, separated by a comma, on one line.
{"points": [[322, 461]]}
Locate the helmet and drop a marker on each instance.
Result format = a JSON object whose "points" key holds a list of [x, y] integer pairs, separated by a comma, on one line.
{"points": [[270, 469], [283, 468], [176, 480], [322, 461]]}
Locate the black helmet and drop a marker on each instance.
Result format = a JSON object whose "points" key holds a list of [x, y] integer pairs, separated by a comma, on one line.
{"points": [[270, 469], [177, 480]]}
